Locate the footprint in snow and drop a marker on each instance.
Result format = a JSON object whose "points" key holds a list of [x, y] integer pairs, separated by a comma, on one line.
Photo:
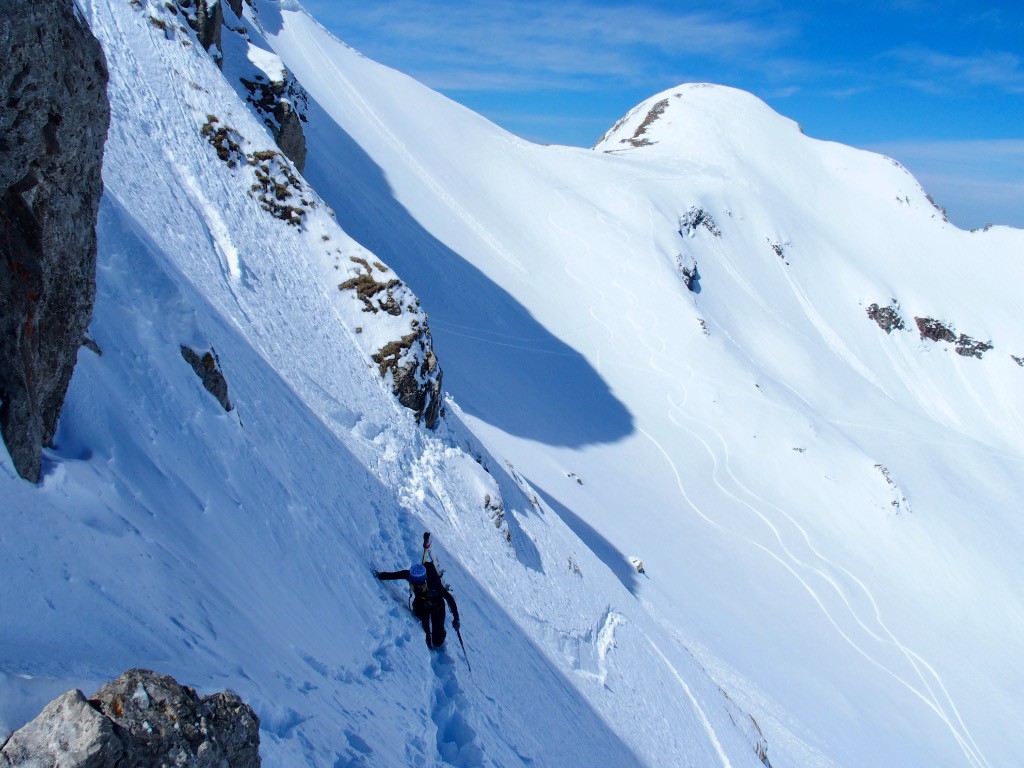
{"points": [[456, 739]]}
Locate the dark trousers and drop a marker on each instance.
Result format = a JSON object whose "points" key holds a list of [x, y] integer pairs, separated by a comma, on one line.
{"points": [[433, 625]]}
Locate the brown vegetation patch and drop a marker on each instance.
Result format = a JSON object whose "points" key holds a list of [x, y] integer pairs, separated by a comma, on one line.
{"points": [[277, 187], [367, 287], [225, 140]]}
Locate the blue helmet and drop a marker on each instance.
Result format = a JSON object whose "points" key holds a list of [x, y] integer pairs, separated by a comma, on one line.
{"points": [[417, 574]]}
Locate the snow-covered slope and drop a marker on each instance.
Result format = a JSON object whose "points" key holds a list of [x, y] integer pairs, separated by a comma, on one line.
{"points": [[235, 549], [828, 513]]}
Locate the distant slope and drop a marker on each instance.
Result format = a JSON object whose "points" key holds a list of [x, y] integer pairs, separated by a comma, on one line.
{"points": [[827, 512]]}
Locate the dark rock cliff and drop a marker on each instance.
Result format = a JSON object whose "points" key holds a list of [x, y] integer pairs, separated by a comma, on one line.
{"points": [[282, 106], [139, 720], [54, 115], [206, 17]]}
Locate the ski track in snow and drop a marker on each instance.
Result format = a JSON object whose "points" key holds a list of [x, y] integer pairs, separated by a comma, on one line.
{"points": [[220, 235], [935, 695], [712, 736], [790, 562], [828, 334], [581, 258]]}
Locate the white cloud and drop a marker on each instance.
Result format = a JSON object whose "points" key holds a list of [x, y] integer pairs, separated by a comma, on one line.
{"points": [[528, 44], [936, 72]]}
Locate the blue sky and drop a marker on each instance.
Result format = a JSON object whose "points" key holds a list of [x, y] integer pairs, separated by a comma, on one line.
{"points": [[938, 84]]}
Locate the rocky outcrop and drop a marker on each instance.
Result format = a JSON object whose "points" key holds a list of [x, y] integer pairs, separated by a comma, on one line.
{"points": [[281, 104], [206, 17], [689, 273], [968, 347], [207, 368], [934, 330], [278, 190], [887, 318], [68, 732], [965, 346], [53, 123], [416, 374], [409, 359], [139, 720], [639, 137], [695, 218], [930, 329], [275, 186]]}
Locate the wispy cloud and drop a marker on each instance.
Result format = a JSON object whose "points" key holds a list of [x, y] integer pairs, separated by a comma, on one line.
{"points": [[527, 44], [936, 72]]}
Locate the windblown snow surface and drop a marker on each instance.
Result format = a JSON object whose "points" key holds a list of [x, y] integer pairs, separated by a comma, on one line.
{"points": [[829, 515]]}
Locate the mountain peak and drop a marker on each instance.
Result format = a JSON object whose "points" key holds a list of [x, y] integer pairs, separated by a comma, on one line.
{"points": [[692, 112]]}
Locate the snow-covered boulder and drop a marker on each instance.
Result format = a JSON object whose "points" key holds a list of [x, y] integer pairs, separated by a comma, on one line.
{"points": [[53, 120]]}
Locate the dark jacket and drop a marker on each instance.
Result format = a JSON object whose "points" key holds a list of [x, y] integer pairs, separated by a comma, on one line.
{"points": [[429, 598]]}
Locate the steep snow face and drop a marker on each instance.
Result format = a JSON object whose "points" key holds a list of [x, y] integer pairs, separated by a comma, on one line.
{"points": [[826, 511], [235, 549]]}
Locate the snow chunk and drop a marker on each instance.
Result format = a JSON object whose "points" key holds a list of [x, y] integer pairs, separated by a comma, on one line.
{"points": [[267, 62], [140, 697]]}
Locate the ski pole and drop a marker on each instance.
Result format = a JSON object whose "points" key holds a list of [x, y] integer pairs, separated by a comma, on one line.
{"points": [[464, 654]]}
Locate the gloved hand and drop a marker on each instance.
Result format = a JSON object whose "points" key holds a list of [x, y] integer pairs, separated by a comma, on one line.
{"points": [[456, 624]]}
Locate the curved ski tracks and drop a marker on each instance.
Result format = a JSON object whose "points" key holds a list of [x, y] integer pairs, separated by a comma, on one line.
{"points": [[780, 545]]}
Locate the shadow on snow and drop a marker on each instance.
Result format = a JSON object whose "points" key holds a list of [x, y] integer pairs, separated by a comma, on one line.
{"points": [[502, 365]]}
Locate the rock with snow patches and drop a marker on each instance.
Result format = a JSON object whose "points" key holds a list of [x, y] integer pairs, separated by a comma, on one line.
{"points": [[276, 186], [888, 318], [272, 92], [694, 218], [139, 720], [689, 272], [965, 346], [934, 330], [399, 342], [207, 368], [415, 374], [53, 119], [206, 17]]}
